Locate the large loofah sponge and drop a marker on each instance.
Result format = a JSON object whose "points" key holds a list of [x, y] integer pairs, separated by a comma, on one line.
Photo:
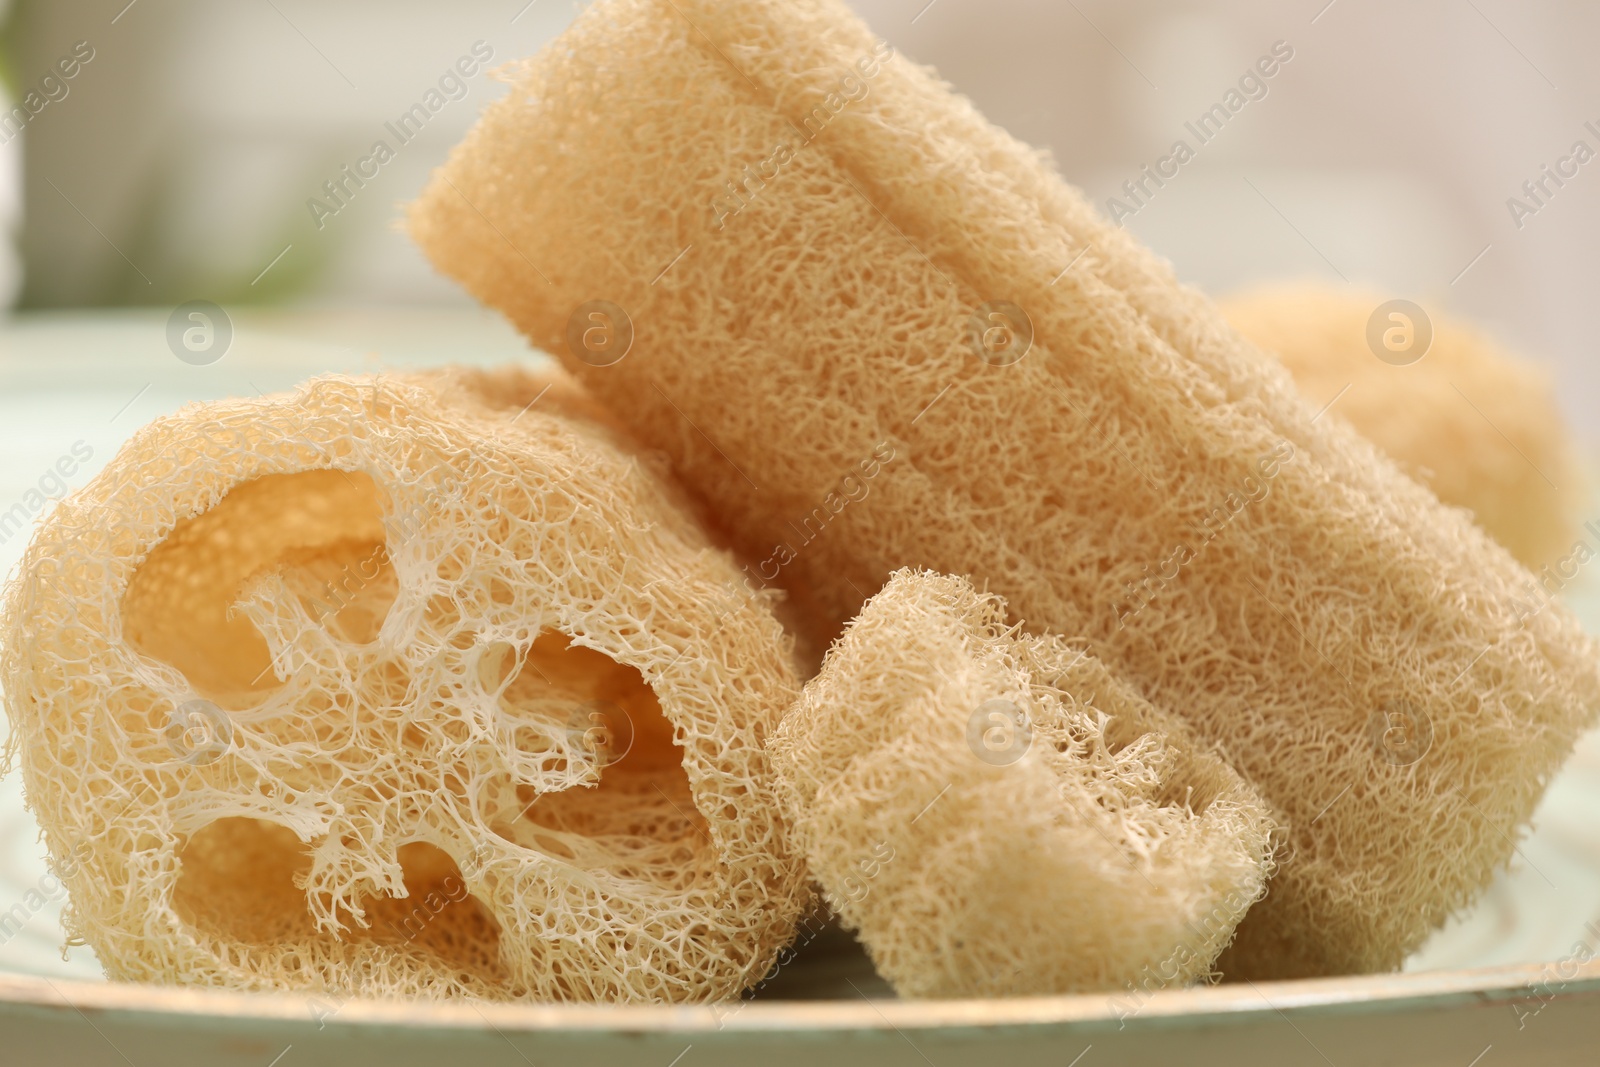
{"points": [[1461, 415], [417, 685], [996, 815], [874, 331]]}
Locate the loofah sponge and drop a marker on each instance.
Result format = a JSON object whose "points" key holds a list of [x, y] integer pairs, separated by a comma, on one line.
{"points": [[873, 331], [996, 815], [417, 685], [1462, 416]]}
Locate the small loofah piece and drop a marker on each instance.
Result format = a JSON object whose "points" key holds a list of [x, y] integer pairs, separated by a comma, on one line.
{"points": [[996, 815], [873, 331], [1466, 418], [420, 685]]}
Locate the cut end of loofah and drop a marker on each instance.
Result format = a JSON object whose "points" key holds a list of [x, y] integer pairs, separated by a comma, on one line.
{"points": [[996, 815], [419, 685], [1456, 411]]}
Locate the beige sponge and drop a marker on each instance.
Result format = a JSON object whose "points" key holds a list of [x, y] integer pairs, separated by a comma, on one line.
{"points": [[1455, 410], [416, 685], [996, 815], [874, 331]]}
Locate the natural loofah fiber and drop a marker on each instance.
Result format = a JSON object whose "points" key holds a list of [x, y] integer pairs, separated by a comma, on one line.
{"points": [[415, 685], [996, 815], [1472, 422], [816, 244]]}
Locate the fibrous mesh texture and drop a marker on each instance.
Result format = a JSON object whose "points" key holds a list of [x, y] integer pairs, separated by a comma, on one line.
{"points": [[1141, 477], [996, 815], [418, 685], [1475, 424]]}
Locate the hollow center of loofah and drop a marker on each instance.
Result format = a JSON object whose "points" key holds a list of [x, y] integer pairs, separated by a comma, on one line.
{"points": [[238, 885], [547, 744], [635, 802], [321, 530]]}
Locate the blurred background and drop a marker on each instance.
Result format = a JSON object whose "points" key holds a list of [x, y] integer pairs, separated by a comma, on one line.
{"points": [[179, 163], [185, 156]]}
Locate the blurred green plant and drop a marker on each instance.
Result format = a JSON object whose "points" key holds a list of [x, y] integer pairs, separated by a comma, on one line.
{"points": [[175, 279], [8, 81], [150, 209]]}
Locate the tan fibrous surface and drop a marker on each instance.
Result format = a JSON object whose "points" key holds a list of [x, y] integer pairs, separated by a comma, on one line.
{"points": [[484, 714], [1142, 478], [995, 814], [1469, 419]]}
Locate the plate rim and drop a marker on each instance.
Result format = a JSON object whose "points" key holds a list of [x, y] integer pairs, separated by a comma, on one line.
{"points": [[1315, 996]]}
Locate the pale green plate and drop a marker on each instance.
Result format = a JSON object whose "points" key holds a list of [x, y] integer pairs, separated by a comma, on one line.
{"points": [[1476, 996]]}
